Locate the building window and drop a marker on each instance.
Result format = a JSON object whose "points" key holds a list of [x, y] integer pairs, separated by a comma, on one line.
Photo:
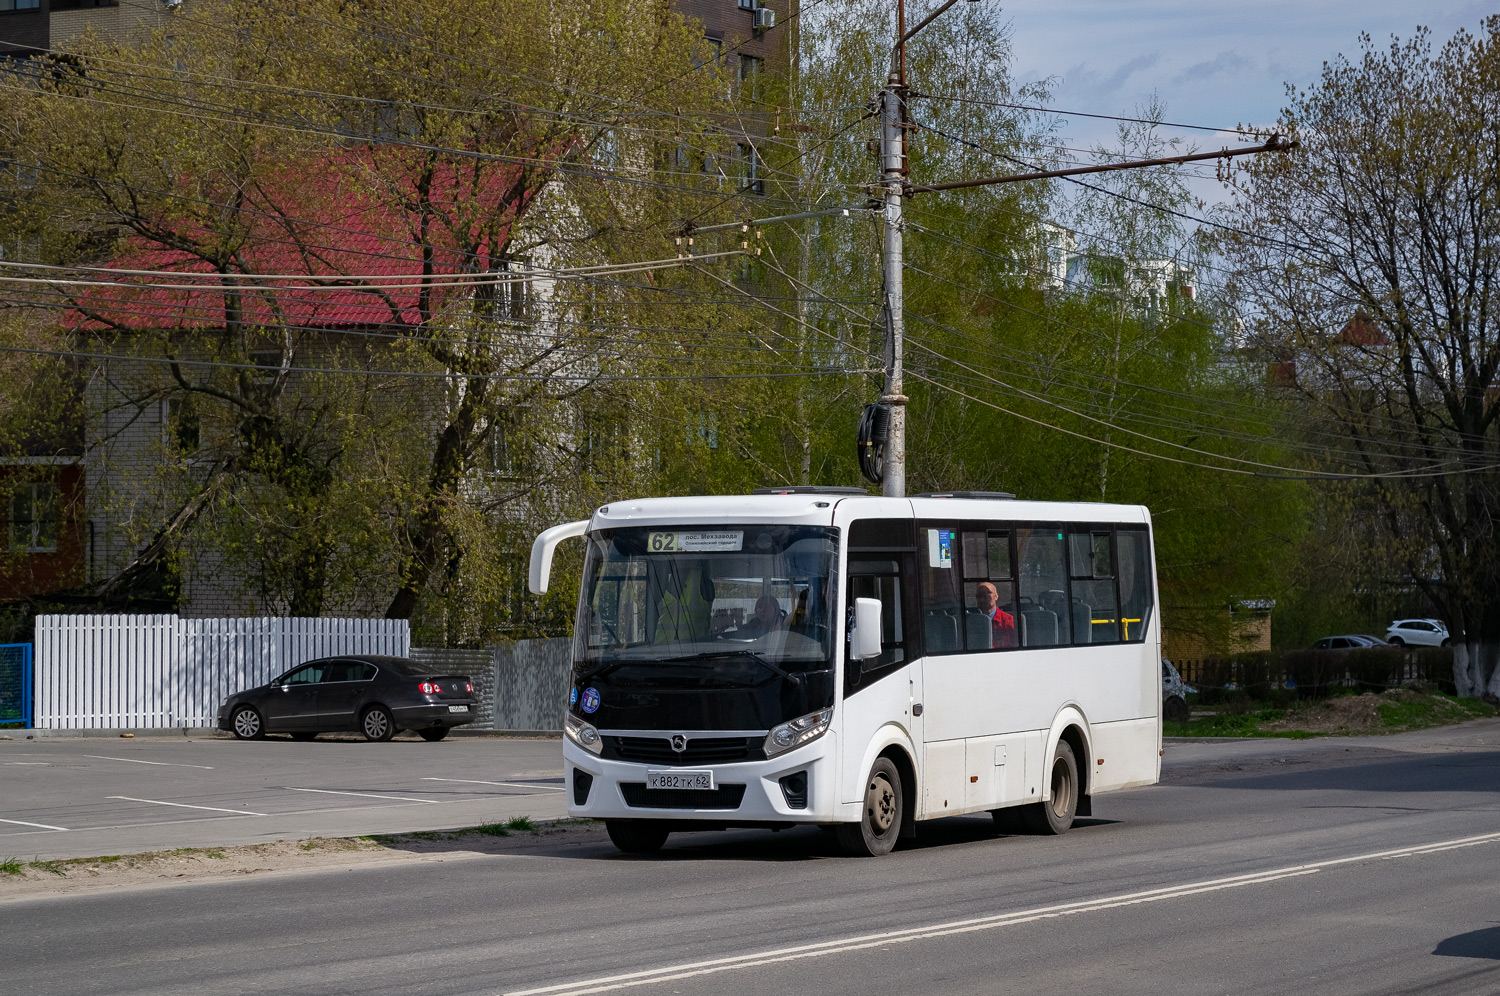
{"points": [[180, 430], [750, 66], [600, 445], [267, 365], [33, 518], [20, 4], [748, 161], [606, 151], [513, 297], [506, 454], [705, 430], [713, 51]]}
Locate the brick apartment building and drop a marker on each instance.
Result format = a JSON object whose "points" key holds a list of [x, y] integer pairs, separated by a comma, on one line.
{"points": [[30, 26]]}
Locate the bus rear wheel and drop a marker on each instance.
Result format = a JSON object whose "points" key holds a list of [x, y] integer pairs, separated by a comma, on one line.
{"points": [[1055, 815], [880, 823], [637, 836]]}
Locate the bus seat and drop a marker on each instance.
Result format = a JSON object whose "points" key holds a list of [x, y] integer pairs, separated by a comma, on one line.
{"points": [[1083, 622], [978, 630], [1041, 628], [941, 631]]}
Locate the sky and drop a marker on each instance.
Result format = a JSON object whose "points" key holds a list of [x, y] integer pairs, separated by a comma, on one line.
{"points": [[1217, 64]]}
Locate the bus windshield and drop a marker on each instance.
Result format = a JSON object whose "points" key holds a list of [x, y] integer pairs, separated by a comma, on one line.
{"points": [[661, 595]]}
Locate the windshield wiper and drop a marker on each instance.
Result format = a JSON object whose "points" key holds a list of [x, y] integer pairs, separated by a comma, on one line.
{"points": [[794, 677], [604, 668]]}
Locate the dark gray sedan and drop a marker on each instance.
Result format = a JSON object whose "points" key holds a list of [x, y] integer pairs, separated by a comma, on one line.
{"points": [[378, 696]]}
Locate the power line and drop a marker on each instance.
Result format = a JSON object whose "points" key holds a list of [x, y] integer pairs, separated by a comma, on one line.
{"points": [[421, 374], [1079, 114]]}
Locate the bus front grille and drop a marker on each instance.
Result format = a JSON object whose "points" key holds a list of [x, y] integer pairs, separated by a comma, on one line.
{"points": [[638, 796], [700, 750]]}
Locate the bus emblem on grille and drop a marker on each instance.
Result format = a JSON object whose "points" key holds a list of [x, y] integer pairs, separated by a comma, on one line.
{"points": [[679, 742]]}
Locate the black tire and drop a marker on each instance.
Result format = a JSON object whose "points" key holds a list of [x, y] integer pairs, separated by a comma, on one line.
{"points": [[305, 735], [637, 836], [1396, 641], [1055, 815], [247, 724], [1446, 643], [433, 735], [377, 724], [1174, 709], [880, 822]]}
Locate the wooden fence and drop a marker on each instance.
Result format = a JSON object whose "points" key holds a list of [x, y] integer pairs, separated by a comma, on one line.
{"points": [[1320, 672]]}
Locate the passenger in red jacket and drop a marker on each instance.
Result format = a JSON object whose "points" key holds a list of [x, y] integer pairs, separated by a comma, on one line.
{"points": [[1002, 623]]}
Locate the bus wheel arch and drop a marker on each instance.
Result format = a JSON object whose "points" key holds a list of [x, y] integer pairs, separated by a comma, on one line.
{"points": [[1073, 737], [1070, 725]]}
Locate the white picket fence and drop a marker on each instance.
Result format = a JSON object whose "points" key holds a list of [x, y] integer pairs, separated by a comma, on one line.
{"points": [[159, 671]]}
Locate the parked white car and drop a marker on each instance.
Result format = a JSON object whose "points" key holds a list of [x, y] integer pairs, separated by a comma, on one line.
{"points": [[1174, 691], [1418, 633]]}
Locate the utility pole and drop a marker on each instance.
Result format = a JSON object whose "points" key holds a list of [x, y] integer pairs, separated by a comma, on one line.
{"points": [[892, 101], [893, 178], [891, 105]]}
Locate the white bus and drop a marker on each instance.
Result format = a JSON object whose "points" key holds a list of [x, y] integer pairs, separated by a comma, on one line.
{"points": [[819, 655]]}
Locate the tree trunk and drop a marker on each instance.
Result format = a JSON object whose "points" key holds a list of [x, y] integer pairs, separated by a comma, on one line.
{"points": [[428, 533], [1461, 682]]}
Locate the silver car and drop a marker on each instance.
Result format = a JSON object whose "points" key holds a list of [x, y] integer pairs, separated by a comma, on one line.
{"points": [[1418, 633], [1174, 707]]}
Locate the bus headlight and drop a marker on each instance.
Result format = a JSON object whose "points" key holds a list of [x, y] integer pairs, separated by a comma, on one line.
{"points": [[582, 734], [796, 732]]}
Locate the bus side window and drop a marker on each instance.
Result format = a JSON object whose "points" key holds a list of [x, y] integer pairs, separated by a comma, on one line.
{"points": [[1134, 555], [1044, 618], [1091, 567], [989, 591], [942, 612], [886, 589]]}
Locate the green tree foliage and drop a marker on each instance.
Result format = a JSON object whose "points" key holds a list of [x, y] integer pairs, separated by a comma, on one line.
{"points": [[1375, 279], [401, 460]]}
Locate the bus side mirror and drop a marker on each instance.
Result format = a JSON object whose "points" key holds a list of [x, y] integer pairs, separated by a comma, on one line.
{"points": [[541, 553], [865, 642]]}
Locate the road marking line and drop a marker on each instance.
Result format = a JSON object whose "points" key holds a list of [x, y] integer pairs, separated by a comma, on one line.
{"points": [[164, 764], [476, 781], [44, 826], [731, 962], [183, 805], [364, 795]]}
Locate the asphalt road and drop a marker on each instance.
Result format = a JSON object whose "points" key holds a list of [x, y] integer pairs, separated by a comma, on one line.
{"points": [[1328, 867], [83, 797]]}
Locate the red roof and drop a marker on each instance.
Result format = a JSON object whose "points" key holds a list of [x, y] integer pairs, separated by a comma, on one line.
{"points": [[1361, 330], [322, 224]]}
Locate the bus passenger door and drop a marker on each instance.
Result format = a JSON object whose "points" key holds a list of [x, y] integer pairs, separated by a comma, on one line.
{"points": [[885, 689]]}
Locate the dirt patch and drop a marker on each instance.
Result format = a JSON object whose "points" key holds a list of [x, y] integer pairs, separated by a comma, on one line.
{"points": [[1349, 714], [21, 879]]}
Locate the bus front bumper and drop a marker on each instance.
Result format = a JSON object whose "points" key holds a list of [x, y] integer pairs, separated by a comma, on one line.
{"points": [[795, 787]]}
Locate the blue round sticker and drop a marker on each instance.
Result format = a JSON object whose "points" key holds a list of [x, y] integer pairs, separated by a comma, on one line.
{"points": [[590, 700], [573, 696]]}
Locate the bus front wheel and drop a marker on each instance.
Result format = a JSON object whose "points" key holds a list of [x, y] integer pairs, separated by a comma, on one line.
{"points": [[1055, 815], [880, 822], [636, 836]]}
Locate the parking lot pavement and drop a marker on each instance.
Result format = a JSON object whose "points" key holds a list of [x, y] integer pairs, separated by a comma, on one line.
{"points": [[95, 796]]}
